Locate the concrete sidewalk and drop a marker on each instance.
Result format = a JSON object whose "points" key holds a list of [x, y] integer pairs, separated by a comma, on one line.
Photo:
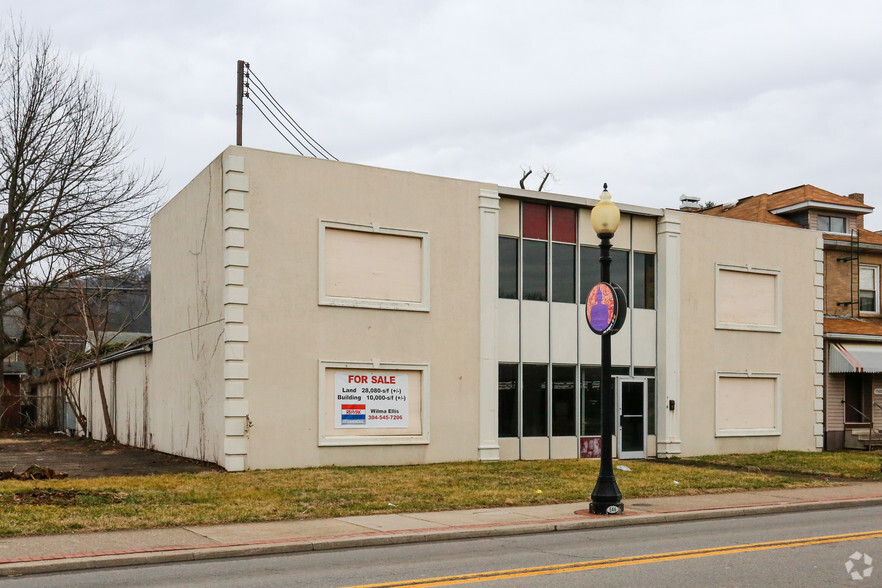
{"points": [[54, 553]]}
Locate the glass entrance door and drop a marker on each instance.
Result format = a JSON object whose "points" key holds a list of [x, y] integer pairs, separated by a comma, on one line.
{"points": [[631, 429]]}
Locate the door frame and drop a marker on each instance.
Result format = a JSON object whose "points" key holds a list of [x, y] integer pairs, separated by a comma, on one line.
{"points": [[619, 380]]}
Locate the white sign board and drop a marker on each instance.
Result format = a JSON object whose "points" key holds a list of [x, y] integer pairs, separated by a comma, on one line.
{"points": [[370, 400]]}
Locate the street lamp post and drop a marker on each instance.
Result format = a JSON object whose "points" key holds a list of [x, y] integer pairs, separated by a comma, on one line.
{"points": [[606, 497]]}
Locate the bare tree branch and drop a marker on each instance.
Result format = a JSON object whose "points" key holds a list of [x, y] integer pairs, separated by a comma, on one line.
{"points": [[527, 173], [549, 173]]}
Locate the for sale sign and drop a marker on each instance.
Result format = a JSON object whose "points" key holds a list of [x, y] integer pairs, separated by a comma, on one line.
{"points": [[370, 400]]}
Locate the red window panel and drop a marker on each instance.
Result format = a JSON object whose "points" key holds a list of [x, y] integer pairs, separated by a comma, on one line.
{"points": [[563, 224], [535, 221]]}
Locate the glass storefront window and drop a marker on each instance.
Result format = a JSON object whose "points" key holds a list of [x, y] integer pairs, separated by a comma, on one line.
{"points": [[590, 396], [649, 374], [563, 272], [508, 400], [589, 272], [535, 277], [535, 399], [563, 401], [508, 267], [644, 280]]}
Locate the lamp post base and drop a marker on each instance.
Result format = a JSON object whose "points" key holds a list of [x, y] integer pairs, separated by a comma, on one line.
{"points": [[606, 499], [604, 508]]}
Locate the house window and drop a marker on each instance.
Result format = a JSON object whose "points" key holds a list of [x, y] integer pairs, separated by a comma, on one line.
{"points": [[644, 280], [869, 288], [508, 267], [832, 224]]}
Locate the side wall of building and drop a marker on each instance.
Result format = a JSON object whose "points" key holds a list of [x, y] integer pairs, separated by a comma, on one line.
{"points": [[751, 347], [186, 404], [352, 269]]}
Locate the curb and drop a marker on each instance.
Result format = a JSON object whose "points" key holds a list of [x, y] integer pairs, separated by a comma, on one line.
{"points": [[162, 555]]}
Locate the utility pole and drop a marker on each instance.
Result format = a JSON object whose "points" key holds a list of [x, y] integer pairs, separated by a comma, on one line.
{"points": [[240, 91]]}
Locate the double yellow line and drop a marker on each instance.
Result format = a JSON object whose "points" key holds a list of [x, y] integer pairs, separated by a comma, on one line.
{"points": [[623, 561]]}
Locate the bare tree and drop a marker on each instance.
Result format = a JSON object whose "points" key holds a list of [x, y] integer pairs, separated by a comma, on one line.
{"points": [[549, 173], [71, 205]]}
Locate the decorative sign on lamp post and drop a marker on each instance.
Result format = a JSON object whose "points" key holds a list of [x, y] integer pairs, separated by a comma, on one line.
{"points": [[605, 310]]}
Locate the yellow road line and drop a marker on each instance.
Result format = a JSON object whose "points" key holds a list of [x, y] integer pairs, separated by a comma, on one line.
{"points": [[623, 561]]}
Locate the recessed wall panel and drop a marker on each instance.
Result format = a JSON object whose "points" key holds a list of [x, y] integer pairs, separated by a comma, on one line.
{"points": [[534, 331], [564, 333]]}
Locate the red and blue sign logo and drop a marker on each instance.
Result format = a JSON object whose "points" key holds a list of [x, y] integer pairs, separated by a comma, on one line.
{"points": [[353, 414]]}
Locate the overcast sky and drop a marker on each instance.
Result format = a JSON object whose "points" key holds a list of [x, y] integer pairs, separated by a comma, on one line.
{"points": [[719, 100]]}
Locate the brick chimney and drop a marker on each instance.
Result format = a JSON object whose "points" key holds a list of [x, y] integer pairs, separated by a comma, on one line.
{"points": [[858, 219]]}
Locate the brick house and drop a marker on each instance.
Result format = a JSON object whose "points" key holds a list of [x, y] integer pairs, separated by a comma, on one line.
{"points": [[852, 264]]}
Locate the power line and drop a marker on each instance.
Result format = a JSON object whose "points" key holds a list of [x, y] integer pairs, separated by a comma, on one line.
{"points": [[277, 129], [282, 123], [272, 110], [262, 87]]}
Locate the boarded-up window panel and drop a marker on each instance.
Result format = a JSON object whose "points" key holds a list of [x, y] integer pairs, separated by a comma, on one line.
{"points": [[747, 403], [747, 298], [373, 266], [415, 397]]}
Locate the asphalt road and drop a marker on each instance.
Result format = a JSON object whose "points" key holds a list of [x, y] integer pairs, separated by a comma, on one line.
{"points": [[797, 549]]}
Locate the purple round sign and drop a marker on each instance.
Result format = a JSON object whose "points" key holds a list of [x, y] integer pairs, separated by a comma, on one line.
{"points": [[605, 308]]}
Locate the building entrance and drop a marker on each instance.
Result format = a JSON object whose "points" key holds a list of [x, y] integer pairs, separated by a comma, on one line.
{"points": [[631, 427]]}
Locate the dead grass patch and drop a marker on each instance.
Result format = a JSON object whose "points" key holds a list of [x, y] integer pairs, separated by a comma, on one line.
{"points": [[858, 465], [55, 506]]}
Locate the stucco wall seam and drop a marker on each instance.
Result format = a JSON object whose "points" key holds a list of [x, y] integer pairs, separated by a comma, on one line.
{"points": [[235, 297]]}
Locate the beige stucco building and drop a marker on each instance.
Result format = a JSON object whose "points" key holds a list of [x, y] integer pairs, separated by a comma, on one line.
{"points": [[852, 328], [309, 312]]}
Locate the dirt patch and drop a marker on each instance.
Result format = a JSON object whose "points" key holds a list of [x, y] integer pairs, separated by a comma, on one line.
{"points": [[42, 496], [86, 458]]}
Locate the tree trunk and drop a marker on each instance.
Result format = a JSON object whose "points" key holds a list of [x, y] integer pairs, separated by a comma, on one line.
{"points": [[108, 421]]}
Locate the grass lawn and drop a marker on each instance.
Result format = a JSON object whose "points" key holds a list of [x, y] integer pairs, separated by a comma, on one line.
{"points": [[215, 497], [861, 465]]}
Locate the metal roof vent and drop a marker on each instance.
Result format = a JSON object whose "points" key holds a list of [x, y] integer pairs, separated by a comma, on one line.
{"points": [[689, 203]]}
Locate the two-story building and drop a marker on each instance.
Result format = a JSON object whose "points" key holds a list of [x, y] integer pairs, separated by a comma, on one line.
{"points": [[310, 312], [852, 314]]}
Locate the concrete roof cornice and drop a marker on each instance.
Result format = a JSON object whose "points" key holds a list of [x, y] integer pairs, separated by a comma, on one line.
{"points": [[553, 198]]}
